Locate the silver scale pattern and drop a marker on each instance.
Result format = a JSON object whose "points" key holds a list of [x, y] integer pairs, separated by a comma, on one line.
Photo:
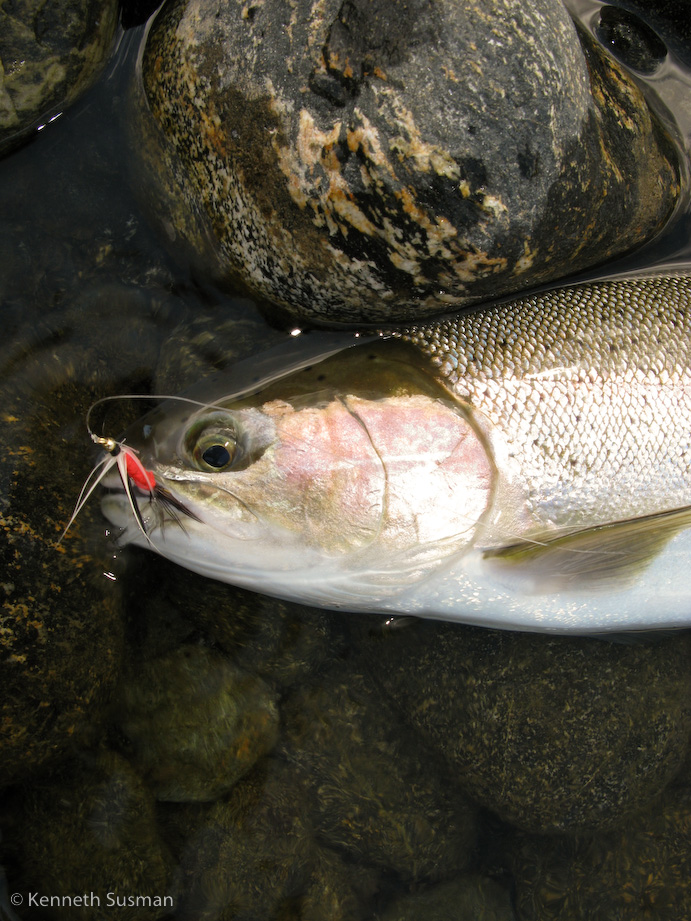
{"points": [[587, 392]]}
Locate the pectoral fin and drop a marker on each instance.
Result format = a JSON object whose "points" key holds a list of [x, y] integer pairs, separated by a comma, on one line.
{"points": [[604, 557]]}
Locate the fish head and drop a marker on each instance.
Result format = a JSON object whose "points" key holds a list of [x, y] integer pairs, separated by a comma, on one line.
{"points": [[336, 485]]}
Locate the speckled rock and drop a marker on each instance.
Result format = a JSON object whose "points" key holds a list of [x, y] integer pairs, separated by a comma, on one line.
{"points": [[669, 20], [468, 898], [390, 160], [377, 793], [195, 723], [61, 633], [251, 857], [337, 890], [253, 854], [61, 620], [553, 734], [89, 831], [50, 52], [638, 871]]}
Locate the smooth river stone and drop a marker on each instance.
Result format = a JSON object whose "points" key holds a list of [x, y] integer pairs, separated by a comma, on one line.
{"points": [[195, 723], [384, 161]]}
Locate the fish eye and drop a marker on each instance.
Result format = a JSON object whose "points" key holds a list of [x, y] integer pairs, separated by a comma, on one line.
{"points": [[214, 444], [215, 451], [219, 442]]}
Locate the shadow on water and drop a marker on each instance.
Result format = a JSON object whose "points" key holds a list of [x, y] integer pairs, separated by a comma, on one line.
{"points": [[244, 757]]}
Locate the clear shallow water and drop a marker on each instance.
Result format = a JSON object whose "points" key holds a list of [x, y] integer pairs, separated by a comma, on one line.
{"points": [[352, 803]]}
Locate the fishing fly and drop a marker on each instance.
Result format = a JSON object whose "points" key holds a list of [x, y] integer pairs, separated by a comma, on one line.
{"points": [[134, 477]]}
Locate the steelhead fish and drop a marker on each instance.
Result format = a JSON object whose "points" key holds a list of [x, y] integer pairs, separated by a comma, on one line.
{"points": [[526, 466]]}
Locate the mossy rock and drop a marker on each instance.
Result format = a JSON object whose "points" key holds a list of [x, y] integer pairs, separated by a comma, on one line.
{"points": [[91, 830], [552, 734], [639, 870], [194, 722]]}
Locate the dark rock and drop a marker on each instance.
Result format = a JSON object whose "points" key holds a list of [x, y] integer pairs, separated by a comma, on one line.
{"points": [[669, 19], [337, 890], [386, 161], [136, 12], [252, 855], [467, 898], [195, 723], [209, 343], [377, 793], [631, 41], [60, 623], [279, 641], [50, 52], [92, 830], [553, 734], [637, 871]]}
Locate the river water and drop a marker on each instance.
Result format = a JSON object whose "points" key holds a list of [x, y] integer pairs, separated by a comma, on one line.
{"points": [[257, 760]]}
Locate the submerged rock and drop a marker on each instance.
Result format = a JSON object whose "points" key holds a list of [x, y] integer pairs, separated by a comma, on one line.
{"points": [[61, 618], [50, 52], [337, 890], [61, 632], [91, 831], [208, 343], [195, 723], [468, 898], [386, 161], [376, 792], [640, 870], [552, 734], [280, 642], [253, 853]]}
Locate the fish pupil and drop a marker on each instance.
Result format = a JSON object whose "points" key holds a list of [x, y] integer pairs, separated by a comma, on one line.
{"points": [[216, 456]]}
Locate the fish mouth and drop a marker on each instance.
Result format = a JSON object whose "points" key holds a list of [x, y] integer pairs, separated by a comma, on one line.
{"points": [[129, 506]]}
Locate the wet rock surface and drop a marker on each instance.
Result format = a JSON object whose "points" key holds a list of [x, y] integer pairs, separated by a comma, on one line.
{"points": [[281, 642], [639, 870], [209, 343], [61, 631], [64, 345], [669, 19], [551, 734], [97, 837], [50, 52], [465, 899], [61, 622], [355, 815], [254, 852], [375, 792], [194, 723], [386, 161]]}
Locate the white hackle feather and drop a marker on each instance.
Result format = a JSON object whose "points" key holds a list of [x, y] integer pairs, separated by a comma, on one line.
{"points": [[116, 456]]}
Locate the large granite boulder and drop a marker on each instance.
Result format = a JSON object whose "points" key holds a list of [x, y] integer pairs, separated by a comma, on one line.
{"points": [[389, 160]]}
